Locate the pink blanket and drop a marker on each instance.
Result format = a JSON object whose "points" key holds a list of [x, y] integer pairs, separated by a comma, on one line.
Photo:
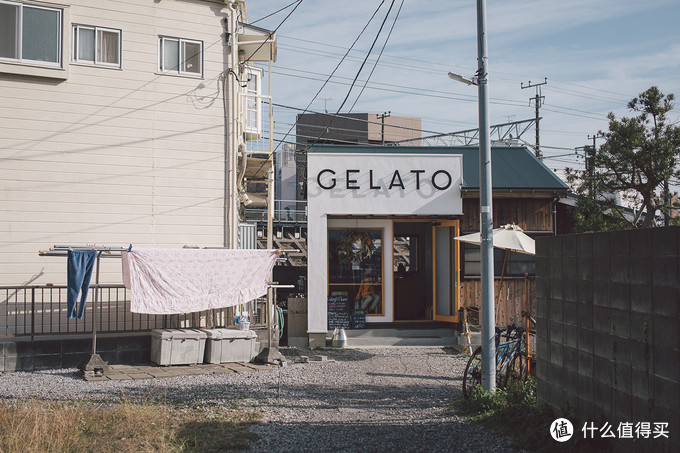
{"points": [[173, 281]]}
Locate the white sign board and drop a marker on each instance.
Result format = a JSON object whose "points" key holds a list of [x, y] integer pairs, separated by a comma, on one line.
{"points": [[384, 184]]}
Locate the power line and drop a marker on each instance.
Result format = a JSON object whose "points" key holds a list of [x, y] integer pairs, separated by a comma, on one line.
{"points": [[275, 12]]}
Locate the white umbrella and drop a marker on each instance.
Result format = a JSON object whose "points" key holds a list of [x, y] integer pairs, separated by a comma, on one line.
{"points": [[508, 237]]}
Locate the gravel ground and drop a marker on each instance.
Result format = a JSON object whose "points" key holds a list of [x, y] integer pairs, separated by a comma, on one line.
{"points": [[360, 400]]}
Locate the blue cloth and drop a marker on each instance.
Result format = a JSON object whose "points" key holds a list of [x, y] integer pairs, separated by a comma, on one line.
{"points": [[79, 272]]}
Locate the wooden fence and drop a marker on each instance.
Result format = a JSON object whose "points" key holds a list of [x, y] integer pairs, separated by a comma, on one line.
{"points": [[515, 296]]}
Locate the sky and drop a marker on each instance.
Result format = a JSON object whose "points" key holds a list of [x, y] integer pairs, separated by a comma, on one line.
{"points": [[595, 55]]}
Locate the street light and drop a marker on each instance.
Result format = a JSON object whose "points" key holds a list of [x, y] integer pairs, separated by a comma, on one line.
{"points": [[488, 323]]}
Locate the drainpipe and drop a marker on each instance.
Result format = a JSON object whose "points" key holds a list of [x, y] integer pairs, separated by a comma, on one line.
{"points": [[230, 131]]}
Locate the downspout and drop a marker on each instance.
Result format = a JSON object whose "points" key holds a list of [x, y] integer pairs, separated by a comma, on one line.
{"points": [[230, 189]]}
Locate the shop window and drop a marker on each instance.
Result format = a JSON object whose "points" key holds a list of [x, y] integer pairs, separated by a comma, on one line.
{"points": [[30, 33], [180, 56], [355, 268], [95, 45], [516, 265]]}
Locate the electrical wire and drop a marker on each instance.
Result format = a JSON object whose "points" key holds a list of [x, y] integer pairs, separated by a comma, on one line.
{"points": [[271, 33], [275, 12]]}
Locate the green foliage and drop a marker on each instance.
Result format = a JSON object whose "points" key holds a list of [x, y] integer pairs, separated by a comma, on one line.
{"points": [[515, 413], [641, 154]]}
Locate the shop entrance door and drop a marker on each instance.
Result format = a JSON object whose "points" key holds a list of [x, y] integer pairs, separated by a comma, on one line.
{"points": [[446, 284]]}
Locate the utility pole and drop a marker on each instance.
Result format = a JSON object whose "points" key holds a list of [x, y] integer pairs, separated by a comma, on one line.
{"points": [[382, 131], [590, 163], [537, 102]]}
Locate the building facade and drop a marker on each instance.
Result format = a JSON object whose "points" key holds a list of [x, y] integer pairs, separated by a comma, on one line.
{"points": [[382, 223], [123, 122]]}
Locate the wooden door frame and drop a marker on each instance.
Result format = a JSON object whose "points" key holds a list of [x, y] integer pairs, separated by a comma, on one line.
{"points": [[454, 318]]}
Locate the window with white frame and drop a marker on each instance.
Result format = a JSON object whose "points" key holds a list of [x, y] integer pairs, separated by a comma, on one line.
{"points": [[180, 56], [253, 103], [30, 33], [96, 45]]}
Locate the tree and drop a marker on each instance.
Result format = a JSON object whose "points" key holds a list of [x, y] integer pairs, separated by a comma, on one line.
{"points": [[639, 160]]}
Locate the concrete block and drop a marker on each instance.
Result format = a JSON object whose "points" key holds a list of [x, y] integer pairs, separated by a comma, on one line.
{"points": [[642, 408], [585, 387], [619, 296], [555, 332], [620, 323], [623, 405], [602, 344], [569, 290], [666, 271], [84, 345], [622, 377], [619, 242], [554, 245], [585, 340], [602, 397], [621, 351], [541, 305], [584, 245], [602, 370], [666, 393], [584, 315], [641, 270], [569, 266], [619, 269], [601, 246], [47, 347], [72, 360], [666, 242], [569, 313], [665, 332], [131, 356], [666, 301], [600, 269], [555, 289], [570, 369], [640, 384], [641, 299], [570, 336], [600, 293], [555, 309], [601, 319], [556, 354], [666, 363], [584, 267], [641, 356], [47, 362]]}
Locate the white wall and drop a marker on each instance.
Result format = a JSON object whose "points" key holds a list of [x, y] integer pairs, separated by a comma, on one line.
{"points": [[114, 156]]}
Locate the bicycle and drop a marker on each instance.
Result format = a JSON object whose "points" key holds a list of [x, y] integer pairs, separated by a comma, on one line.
{"points": [[511, 360]]}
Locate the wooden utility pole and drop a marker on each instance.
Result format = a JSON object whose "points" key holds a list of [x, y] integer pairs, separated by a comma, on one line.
{"points": [[382, 130]]}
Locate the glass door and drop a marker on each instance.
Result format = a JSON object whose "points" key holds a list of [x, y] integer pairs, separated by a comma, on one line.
{"points": [[446, 282]]}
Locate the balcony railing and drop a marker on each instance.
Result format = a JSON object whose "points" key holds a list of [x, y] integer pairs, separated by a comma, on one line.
{"points": [[41, 310]]}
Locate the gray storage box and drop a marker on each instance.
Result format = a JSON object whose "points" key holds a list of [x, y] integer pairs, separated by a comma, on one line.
{"points": [[230, 345], [177, 346]]}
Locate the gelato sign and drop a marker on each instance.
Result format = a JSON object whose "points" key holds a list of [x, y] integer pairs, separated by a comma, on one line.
{"points": [[385, 184]]}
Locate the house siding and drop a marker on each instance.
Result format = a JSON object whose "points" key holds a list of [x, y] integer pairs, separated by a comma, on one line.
{"points": [[114, 156]]}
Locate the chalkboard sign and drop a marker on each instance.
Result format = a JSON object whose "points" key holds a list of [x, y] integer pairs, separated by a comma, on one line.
{"points": [[338, 312], [358, 319]]}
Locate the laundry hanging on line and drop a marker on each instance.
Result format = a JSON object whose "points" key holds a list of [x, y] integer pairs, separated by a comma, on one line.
{"points": [[175, 281], [79, 266]]}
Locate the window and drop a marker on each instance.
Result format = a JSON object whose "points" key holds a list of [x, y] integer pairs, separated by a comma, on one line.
{"points": [[180, 56], [355, 268], [253, 104], [95, 45], [30, 33]]}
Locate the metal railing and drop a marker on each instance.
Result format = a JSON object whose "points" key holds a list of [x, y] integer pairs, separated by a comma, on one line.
{"points": [[30, 311]]}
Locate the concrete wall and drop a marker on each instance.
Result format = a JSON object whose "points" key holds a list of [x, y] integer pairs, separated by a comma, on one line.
{"points": [[609, 329]]}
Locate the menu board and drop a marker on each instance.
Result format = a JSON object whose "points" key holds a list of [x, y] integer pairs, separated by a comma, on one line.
{"points": [[358, 319], [338, 312]]}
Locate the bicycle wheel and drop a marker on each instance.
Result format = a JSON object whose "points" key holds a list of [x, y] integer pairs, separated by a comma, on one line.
{"points": [[473, 373], [517, 369]]}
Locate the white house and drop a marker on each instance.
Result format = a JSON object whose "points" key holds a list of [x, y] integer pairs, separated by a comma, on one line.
{"points": [[123, 122]]}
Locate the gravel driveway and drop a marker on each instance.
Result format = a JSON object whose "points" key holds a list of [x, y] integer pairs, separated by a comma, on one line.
{"points": [[359, 400]]}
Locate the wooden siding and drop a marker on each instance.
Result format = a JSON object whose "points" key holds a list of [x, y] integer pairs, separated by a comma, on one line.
{"points": [[510, 303], [114, 156], [531, 214]]}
